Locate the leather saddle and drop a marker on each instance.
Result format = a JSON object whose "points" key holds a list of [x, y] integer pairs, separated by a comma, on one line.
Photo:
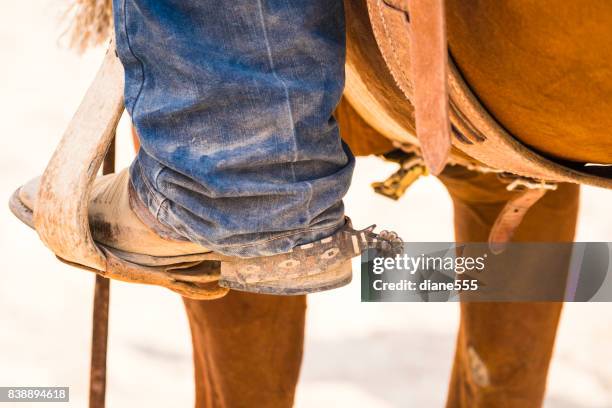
{"points": [[402, 80]]}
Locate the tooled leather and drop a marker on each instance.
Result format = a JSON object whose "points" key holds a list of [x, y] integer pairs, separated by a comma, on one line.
{"points": [[501, 150], [384, 24], [494, 147], [425, 46]]}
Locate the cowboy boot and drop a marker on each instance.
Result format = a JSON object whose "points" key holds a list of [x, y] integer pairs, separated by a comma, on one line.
{"points": [[135, 242]]}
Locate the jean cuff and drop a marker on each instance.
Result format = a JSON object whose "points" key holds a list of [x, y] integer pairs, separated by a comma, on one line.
{"points": [[152, 208]]}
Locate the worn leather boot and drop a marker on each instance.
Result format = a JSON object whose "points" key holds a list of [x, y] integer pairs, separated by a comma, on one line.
{"points": [[115, 224], [134, 243]]}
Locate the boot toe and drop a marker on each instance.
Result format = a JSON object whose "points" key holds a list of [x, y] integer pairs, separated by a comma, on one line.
{"points": [[29, 191]]}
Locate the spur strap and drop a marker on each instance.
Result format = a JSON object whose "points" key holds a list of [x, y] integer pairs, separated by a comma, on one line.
{"points": [[310, 259]]}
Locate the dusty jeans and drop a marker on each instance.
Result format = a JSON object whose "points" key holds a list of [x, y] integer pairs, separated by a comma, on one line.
{"points": [[248, 348], [233, 104]]}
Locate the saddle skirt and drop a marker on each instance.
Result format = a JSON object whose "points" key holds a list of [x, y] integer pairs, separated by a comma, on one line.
{"points": [[518, 103]]}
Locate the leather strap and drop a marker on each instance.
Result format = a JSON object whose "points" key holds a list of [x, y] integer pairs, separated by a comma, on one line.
{"points": [[510, 218], [478, 139], [411, 36], [99, 329], [429, 60], [491, 145], [401, 5]]}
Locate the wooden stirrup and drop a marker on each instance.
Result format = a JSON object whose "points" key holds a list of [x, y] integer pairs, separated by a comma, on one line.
{"points": [[61, 213], [60, 216]]}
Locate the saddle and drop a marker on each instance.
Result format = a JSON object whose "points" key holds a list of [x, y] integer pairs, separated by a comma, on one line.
{"points": [[402, 81]]}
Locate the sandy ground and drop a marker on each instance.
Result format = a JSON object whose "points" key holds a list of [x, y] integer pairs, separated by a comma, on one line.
{"points": [[357, 355]]}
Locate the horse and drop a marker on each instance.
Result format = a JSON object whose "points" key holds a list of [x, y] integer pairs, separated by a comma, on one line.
{"points": [[528, 98], [486, 95]]}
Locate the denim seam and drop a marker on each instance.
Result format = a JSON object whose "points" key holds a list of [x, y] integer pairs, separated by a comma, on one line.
{"points": [[164, 201], [162, 168], [156, 183], [275, 238], [278, 237], [286, 90], [158, 216], [160, 202], [273, 68], [154, 195], [142, 70]]}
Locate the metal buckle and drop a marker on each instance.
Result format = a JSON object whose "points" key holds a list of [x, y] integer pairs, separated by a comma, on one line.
{"points": [[411, 168]]}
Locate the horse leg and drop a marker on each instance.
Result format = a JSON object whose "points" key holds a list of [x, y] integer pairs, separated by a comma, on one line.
{"points": [[504, 349], [247, 349]]}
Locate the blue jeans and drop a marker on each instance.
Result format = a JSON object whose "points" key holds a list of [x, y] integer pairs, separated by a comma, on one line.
{"points": [[233, 104]]}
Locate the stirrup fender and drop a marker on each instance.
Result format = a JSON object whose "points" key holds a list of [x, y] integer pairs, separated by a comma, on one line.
{"points": [[61, 215]]}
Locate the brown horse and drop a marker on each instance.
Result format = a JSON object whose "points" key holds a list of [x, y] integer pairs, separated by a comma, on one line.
{"points": [[534, 74], [541, 74]]}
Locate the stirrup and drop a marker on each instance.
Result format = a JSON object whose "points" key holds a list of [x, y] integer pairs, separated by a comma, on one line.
{"points": [[61, 220]]}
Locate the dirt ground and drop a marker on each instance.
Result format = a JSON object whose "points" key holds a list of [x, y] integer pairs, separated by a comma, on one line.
{"points": [[357, 355]]}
